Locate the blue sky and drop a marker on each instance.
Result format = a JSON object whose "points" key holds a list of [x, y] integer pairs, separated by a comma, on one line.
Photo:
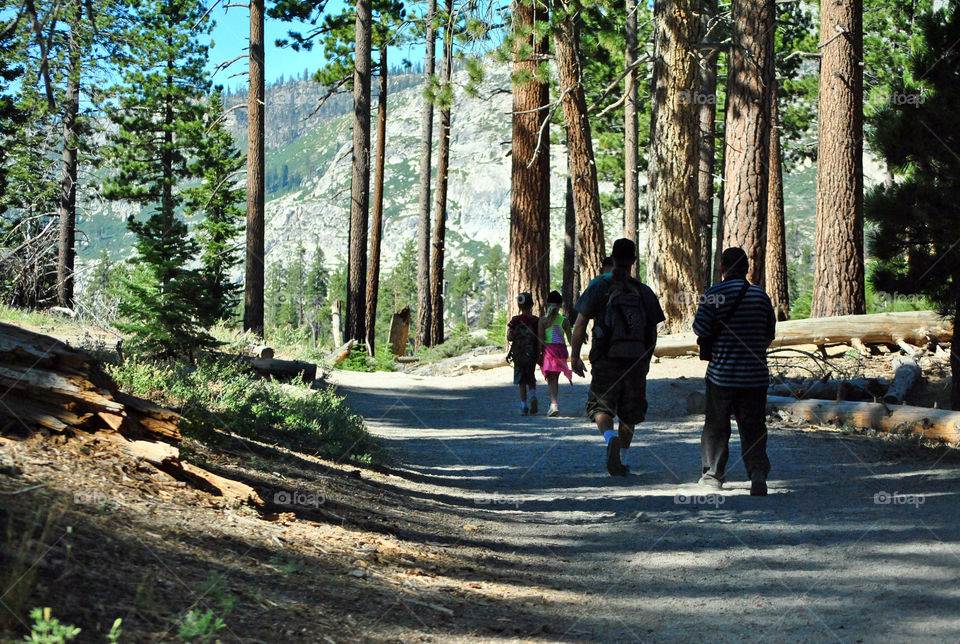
{"points": [[230, 37], [232, 30]]}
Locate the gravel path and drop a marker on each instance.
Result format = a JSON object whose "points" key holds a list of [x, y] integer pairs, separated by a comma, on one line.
{"points": [[859, 540]]}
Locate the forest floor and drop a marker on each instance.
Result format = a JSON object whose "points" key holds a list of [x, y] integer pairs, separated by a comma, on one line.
{"points": [[491, 526]]}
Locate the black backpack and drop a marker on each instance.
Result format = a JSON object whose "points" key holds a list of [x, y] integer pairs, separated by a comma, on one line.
{"points": [[525, 348], [623, 325]]}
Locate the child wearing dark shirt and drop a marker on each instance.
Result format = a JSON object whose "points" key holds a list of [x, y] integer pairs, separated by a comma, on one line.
{"points": [[524, 352]]}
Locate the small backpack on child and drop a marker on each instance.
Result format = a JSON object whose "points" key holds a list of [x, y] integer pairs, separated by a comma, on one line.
{"points": [[525, 348]]}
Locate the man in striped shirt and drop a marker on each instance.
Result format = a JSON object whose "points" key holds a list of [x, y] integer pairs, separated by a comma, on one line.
{"points": [[741, 321]]}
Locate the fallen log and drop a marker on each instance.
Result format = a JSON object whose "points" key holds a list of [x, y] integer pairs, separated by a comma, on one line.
{"points": [[906, 373], [938, 424], [166, 458], [908, 328], [283, 369], [55, 387], [340, 354], [854, 389], [888, 329]]}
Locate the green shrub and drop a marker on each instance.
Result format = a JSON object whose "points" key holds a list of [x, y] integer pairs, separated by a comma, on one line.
{"points": [[497, 333], [358, 360], [459, 342], [48, 630], [222, 395], [800, 306]]}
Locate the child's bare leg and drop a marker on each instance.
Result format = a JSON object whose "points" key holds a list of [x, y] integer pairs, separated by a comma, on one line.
{"points": [[553, 384], [523, 393]]}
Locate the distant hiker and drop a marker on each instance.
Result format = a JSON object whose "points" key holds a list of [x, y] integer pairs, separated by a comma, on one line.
{"points": [[626, 314], [524, 351], [606, 265], [554, 330], [735, 324], [606, 268]]}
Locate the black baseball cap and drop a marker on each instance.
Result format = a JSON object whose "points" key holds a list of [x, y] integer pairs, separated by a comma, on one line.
{"points": [[624, 251], [525, 299], [555, 298]]}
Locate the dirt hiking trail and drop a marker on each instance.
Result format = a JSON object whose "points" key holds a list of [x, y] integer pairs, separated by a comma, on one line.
{"points": [[859, 540]]}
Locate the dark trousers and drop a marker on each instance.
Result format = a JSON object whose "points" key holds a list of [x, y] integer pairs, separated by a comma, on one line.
{"points": [[748, 406]]}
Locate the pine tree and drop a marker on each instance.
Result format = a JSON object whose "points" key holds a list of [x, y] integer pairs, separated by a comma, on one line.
{"points": [[10, 114], [529, 254], [160, 119], [673, 242], [218, 202], [838, 277], [29, 204], [253, 283], [424, 308], [317, 311], [918, 217]]}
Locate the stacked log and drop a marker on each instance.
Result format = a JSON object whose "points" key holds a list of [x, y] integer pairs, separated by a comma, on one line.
{"points": [[52, 386]]}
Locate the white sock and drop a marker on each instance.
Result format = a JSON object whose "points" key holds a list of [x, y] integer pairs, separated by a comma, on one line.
{"points": [[607, 435], [623, 455]]}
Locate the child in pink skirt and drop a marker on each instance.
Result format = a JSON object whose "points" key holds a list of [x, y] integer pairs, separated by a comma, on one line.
{"points": [[553, 328]]}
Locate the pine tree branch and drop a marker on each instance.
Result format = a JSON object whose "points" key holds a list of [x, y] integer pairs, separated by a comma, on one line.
{"points": [[609, 88], [205, 14], [323, 99], [544, 125], [223, 65]]}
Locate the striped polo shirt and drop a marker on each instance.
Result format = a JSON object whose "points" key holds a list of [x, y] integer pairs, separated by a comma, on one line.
{"points": [[740, 350]]}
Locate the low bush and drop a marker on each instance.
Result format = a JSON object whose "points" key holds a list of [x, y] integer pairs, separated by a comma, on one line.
{"points": [[221, 395], [459, 342]]}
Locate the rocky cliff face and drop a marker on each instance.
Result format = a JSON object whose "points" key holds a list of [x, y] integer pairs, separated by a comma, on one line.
{"points": [[316, 212]]}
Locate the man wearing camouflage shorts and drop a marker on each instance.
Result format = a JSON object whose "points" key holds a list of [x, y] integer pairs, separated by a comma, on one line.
{"points": [[618, 386]]}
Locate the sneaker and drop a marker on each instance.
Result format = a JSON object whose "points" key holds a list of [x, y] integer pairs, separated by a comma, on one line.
{"points": [[533, 405], [711, 482], [758, 486], [614, 467], [554, 411], [524, 410]]}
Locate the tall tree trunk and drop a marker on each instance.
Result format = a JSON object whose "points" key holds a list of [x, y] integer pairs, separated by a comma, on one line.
{"points": [[955, 359], [707, 147], [423, 219], [569, 250], [68, 183], [748, 131], [529, 259], [838, 273], [631, 134], [376, 225], [776, 253], [586, 192], [440, 205], [718, 234], [253, 283], [360, 183], [674, 268]]}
